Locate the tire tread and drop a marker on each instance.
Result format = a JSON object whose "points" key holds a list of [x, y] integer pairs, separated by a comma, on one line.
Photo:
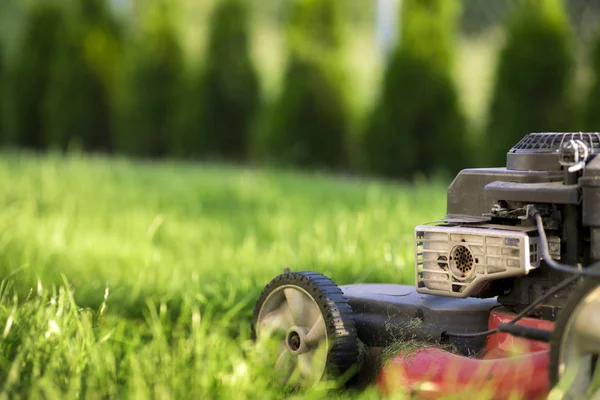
{"points": [[336, 311]]}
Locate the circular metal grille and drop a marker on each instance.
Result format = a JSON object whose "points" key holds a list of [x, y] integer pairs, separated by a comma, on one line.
{"points": [[461, 261]]}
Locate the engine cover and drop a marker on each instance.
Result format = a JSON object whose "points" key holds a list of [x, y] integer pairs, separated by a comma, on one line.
{"points": [[459, 261]]}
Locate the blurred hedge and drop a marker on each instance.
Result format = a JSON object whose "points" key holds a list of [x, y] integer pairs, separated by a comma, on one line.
{"points": [[308, 125], [78, 104], [29, 76], [533, 78], [592, 106], [152, 87], [3, 81], [227, 97], [85, 76], [418, 124]]}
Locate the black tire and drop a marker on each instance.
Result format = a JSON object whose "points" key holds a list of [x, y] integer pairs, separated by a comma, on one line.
{"points": [[343, 353], [580, 293]]}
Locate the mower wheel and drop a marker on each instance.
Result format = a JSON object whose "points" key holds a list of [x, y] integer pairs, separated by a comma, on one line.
{"points": [[312, 325], [575, 344]]}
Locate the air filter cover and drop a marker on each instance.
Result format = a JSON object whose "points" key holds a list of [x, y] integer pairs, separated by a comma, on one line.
{"points": [[457, 261], [541, 151]]}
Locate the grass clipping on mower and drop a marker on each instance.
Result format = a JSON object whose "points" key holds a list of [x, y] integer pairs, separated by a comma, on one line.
{"points": [[408, 348], [403, 347]]}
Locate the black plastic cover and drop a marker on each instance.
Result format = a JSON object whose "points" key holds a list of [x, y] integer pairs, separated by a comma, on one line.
{"points": [[386, 313], [590, 182], [467, 196], [544, 192], [540, 151]]}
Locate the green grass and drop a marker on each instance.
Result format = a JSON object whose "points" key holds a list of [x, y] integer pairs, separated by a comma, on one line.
{"points": [[138, 280]]}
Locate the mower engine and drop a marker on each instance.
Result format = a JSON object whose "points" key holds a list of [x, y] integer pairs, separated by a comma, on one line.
{"points": [[491, 276], [462, 261], [488, 244]]}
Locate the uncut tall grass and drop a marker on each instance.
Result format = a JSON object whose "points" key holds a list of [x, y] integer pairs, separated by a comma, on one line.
{"points": [[133, 279]]}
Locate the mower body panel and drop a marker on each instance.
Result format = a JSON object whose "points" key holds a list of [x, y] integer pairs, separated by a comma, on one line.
{"points": [[386, 314]]}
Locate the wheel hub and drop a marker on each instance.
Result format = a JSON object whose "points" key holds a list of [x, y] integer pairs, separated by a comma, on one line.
{"points": [[291, 310], [295, 340]]}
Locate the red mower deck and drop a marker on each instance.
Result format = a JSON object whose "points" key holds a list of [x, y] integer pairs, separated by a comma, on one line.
{"points": [[509, 366]]}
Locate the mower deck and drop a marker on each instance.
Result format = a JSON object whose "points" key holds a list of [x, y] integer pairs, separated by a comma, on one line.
{"points": [[388, 315]]}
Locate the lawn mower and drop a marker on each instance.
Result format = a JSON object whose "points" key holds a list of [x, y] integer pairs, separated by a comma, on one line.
{"points": [[506, 296]]}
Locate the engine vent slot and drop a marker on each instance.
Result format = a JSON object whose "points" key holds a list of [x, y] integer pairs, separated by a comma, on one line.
{"points": [[458, 261]]}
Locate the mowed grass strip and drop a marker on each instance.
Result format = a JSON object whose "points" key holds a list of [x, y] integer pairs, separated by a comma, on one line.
{"points": [[138, 279]]}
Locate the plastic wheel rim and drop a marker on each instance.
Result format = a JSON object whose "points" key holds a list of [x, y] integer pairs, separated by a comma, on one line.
{"points": [[579, 367], [303, 350]]}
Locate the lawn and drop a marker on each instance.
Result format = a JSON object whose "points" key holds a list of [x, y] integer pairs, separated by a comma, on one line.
{"points": [[137, 280]]}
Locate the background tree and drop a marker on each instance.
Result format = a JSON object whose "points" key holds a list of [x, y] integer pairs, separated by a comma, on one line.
{"points": [[30, 75], [152, 85], [308, 125], [592, 105], [533, 78], [79, 103], [418, 123], [228, 91], [2, 91]]}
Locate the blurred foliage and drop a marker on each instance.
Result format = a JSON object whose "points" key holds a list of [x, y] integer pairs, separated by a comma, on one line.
{"points": [[155, 77], [11, 18], [533, 79], [592, 107], [359, 13], [153, 85], [29, 78], [308, 125], [3, 81], [78, 106], [480, 15], [418, 124], [221, 108]]}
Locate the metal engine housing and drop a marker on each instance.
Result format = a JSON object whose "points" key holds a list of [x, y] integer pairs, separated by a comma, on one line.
{"points": [[459, 261], [557, 174]]}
